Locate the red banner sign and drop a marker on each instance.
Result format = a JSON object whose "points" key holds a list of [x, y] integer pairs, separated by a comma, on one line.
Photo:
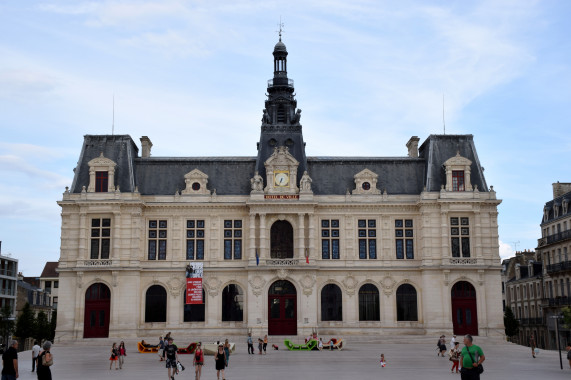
{"points": [[193, 291]]}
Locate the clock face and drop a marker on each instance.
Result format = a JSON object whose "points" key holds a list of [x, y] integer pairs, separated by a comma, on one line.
{"points": [[281, 178]]}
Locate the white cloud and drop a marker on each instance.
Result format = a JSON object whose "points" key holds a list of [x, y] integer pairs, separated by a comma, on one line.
{"points": [[506, 250], [22, 84], [41, 177]]}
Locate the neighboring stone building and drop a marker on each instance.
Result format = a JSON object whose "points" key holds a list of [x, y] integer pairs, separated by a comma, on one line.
{"points": [[49, 281], [554, 248], [523, 292], [290, 244], [29, 291]]}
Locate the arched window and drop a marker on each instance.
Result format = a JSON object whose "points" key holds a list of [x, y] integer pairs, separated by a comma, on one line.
{"points": [[156, 304], [369, 303], [194, 312], [406, 303], [232, 303], [331, 303]]}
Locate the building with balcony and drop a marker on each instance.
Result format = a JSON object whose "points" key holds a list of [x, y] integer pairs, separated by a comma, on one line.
{"points": [[290, 244], [523, 276], [554, 247], [30, 292], [8, 281]]}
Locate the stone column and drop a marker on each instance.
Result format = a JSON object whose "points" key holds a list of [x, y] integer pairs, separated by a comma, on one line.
{"points": [[312, 252], [116, 237], [84, 232], [263, 252], [300, 237], [252, 237]]}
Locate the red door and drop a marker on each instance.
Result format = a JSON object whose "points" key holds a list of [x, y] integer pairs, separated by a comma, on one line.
{"points": [[97, 311], [464, 310], [282, 309]]}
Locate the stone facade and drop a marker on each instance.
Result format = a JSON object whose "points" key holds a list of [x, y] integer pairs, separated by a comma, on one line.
{"points": [[365, 245]]}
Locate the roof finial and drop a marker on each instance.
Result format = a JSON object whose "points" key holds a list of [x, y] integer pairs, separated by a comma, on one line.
{"points": [[281, 25]]}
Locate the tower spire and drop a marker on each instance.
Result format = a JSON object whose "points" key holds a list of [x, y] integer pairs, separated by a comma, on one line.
{"points": [[280, 25]]}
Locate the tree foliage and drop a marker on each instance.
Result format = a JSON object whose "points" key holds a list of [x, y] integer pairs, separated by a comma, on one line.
{"points": [[6, 323], [567, 317], [25, 325], [53, 323], [510, 323], [41, 327]]}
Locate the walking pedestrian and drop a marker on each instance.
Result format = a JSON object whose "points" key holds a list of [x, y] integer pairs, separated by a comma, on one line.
{"points": [[45, 360], [568, 348], [441, 345], [171, 354], [10, 362], [260, 345], [198, 361], [471, 356], [220, 360], [122, 354], [161, 349], [250, 344], [320, 344], [227, 351], [452, 341], [455, 356], [532, 345], [114, 356], [265, 343], [35, 352], [383, 361]]}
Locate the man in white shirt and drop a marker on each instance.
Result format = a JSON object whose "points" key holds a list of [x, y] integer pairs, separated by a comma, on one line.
{"points": [[452, 341], [35, 352]]}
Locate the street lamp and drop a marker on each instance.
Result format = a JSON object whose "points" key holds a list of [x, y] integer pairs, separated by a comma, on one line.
{"points": [[557, 318]]}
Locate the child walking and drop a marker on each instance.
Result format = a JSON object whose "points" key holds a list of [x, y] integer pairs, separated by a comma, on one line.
{"points": [[383, 361], [455, 356], [114, 356]]}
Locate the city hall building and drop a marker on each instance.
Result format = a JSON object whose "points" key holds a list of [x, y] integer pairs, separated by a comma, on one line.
{"points": [[290, 244]]}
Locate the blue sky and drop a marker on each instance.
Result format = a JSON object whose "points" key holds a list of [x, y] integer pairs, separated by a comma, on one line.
{"points": [[192, 75]]}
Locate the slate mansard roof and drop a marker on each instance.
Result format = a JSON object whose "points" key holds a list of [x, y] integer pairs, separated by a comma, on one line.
{"points": [[231, 175]]}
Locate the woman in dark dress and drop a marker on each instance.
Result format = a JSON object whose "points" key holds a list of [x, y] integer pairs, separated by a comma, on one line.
{"points": [[44, 372], [220, 359]]}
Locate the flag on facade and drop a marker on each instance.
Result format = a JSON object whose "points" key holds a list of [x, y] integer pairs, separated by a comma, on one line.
{"points": [[307, 255], [257, 258]]}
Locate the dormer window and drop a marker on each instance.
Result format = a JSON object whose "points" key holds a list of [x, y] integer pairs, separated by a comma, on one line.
{"points": [[458, 180], [101, 175], [101, 182], [458, 173]]}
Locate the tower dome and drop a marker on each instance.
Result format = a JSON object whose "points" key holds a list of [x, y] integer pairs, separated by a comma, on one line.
{"points": [[280, 47]]}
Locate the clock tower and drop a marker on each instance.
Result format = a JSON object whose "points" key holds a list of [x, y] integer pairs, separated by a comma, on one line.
{"points": [[281, 126]]}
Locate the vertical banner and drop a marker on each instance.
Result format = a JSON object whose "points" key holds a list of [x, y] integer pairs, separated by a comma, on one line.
{"points": [[194, 283]]}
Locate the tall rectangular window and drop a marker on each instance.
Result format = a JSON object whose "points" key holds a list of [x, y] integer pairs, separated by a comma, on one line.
{"points": [[457, 180], [330, 239], [404, 239], [232, 239], [460, 237], [157, 240], [195, 239], [101, 182], [367, 231], [100, 238]]}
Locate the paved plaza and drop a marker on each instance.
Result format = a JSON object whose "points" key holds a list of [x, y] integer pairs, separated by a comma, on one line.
{"points": [[404, 361]]}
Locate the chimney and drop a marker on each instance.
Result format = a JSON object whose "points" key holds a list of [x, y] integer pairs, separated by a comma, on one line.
{"points": [[560, 188], [412, 146], [146, 146]]}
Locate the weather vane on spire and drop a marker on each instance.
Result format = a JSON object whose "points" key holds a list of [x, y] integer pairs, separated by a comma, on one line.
{"points": [[281, 25]]}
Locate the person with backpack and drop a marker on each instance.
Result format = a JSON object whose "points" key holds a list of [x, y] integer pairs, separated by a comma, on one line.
{"points": [[45, 361]]}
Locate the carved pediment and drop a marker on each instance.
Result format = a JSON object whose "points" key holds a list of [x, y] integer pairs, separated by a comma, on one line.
{"points": [[196, 183], [366, 182], [101, 162], [281, 157], [458, 160]]}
